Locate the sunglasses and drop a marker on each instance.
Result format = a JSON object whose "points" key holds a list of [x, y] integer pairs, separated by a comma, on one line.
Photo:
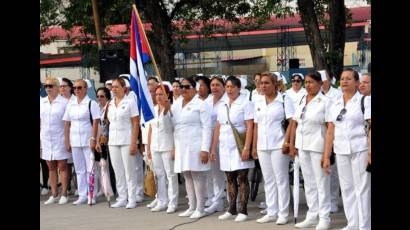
{"points": [[185, 86], [101, 96], [49, 86], [78, 87], [297, 81], [340, 116], [302, 115]]}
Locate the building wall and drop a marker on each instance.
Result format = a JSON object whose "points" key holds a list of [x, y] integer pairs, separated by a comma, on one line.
{"points": [[72, 73]]}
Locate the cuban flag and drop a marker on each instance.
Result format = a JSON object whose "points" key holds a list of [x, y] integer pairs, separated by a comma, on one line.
{"points": [[138, 57]]}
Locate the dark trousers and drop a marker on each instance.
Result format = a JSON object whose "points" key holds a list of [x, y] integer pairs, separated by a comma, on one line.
{"points": [[44, 172], [235, 177]]}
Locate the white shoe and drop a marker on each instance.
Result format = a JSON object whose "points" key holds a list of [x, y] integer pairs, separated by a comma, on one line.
{"points": [[139, 199], [282, 221], [92, 201], [323, 225], [241, 217], [119, 204], [208, 203], [214, 208], [187, 213], [44, 191], [158, 208], [63, 200], [307, 223], [262, 205], [80, 201], [51, 200], [171, 210], [225, 216], [264, 212], [266, 219], [197, 215], [152, 204], [131, 205]]}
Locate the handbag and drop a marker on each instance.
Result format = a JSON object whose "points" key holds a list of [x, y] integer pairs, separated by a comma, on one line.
{"points": [[239, 137], [149, 183]]}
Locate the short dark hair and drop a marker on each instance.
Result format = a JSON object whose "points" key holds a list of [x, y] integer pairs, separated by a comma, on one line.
{"points": [[190, 80], [69, 83], [218, 78], [175, 81], [121, 80], [260, 74], [355, 73], [234, 80], [153, 78], [106, 92], [206, 80], [314, 75]]}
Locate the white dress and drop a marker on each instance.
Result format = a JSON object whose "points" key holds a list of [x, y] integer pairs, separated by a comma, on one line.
{"points": [[52, 128], [192, 134]]}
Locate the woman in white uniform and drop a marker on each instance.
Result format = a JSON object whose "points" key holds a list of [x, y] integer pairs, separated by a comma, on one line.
{"points": [[312, 118], [269, 139], [296, 92], [216, 176], [122, 144], [347, 134], [192, 137], [236, 165], [160, 150], [80, 136], [52, 109]]}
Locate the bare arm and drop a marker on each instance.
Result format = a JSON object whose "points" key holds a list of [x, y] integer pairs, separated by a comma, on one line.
{"points": [[248, 140], [149, 142], [255, 141], [67, 125], [330, 136], [285, 146], [292, 137], [215, 139], [135, 121]]}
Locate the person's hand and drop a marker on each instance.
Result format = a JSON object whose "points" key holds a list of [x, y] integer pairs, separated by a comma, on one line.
{"points": [[245, 154], [204, 157], [173, 154], [67, 146], [369, 157], [292, 151], [213, 155], [285, 148], [98, 147], [254, 154], [325, 164], [149, 154], [167, 105], [133, 149]]}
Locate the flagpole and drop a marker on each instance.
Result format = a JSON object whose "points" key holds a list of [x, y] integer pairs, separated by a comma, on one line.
{"points": [[149, 49]]}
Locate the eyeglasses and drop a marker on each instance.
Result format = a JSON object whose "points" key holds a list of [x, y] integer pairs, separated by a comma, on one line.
{"points": [[297, 81], [49, 86], [77, 87], [302, 115], [340, 116], [101, 96], [185, 86]]}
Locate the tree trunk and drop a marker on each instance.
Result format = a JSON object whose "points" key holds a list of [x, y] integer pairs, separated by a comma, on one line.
{"points": [[162, 43], [337, 35], [312, 32]]}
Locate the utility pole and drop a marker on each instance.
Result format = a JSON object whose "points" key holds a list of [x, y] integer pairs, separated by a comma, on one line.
{"points": [[97, 24]]}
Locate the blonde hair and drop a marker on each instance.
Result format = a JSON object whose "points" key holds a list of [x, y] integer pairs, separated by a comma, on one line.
{"points": [[81, 80], [53, 80]]}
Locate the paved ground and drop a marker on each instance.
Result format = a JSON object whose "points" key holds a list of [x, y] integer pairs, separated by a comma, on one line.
{"points": [[99, 216]]}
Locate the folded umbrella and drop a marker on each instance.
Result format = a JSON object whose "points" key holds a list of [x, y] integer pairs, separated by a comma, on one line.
{"points": [[91, 180], [105, 180]]}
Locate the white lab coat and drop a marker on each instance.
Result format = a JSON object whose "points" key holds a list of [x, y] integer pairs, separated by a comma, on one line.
{"points": [[192, 125], [334, 94], [295, 97], [240, 111], [52, 128], [162, 132], [79, 116]]}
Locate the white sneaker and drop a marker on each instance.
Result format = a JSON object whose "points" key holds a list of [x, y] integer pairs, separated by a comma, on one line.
{"points": [[266, 219], [282, 220], [264, 212], [44, 191], [323, 225], [208, 203], [152, 204], [80, 201], [92, 201], [158, 208], [131, 205], [225, 216], [171, 210], [119, 204], [63, 200], [187, 213], [241, 217], [197, 215], [214, 208], [307, 223], [51, 200], [262, 205]]}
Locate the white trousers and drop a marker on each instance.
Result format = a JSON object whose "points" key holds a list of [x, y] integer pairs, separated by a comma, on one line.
{"points": [[124, 165], [317, 185], [165, 174], [356, 189], [139, 166], [216, 183], [82, 165], [334, 185], [195, 183], [275, 171]]}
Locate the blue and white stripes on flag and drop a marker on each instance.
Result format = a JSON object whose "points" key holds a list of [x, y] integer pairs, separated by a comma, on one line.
{"points": [[138, 79]]}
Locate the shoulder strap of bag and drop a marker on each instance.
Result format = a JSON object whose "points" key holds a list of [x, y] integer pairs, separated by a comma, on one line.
{"points": [[362, 104], [89, 110], [301, 100]]}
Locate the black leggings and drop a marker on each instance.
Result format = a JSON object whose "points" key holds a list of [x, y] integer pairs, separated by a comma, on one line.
{"points": [[44, 172], [234, 177]]}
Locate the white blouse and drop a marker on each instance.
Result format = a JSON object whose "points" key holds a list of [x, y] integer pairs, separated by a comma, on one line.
{"points": [[162, 132]]}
